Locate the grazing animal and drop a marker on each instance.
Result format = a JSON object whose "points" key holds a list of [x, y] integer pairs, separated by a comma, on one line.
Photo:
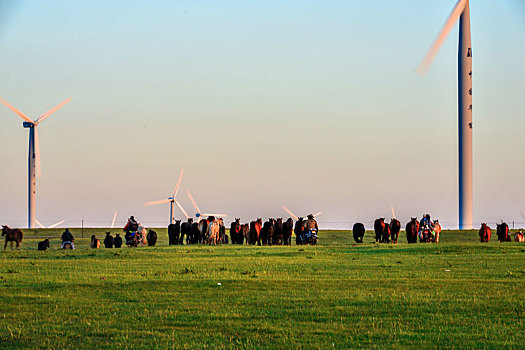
{"points": [[502, 230], [214, 228], [151, 237], [412, 228], [395, 227], [386, 233], [278, 237], [255, 232], [109, 240], [95, 243], [117, 241], [203, 229], [235, 232], [245, 233], [44, 244], [288, 231], [519, 237], [142, 233], [300, 226], [223, 237], [359, 232], [437, 230], [379, 229], [484, 233], [12, 235], [267, 232], [174, 233], [186, 229]]}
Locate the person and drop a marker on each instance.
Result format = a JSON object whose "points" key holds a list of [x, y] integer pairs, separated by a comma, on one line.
{"points": [[311, 229], [426, 223], [131, 225], [67, 240], [311, 223]]}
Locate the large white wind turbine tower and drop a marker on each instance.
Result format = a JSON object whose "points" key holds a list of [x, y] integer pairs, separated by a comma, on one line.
{"points": [[461, 11], [172, 200], [34, 154]]}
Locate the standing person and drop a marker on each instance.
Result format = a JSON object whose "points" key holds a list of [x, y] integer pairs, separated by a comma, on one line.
{"points": [[311, 223], [67, 240], [131, 228]]}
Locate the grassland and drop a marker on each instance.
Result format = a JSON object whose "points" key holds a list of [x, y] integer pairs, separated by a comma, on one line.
{"points": [[456, 294]]}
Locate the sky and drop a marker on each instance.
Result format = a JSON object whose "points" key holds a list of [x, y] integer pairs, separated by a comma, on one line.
{"points": [[312, 104]]}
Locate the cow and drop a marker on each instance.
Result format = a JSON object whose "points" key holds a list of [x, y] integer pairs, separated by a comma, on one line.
{"points": [[95, 243], [186, 230], [395, 227], [255, 232], [174, 233], [235, 232], [109, 240], [412, 228], [359, 232], [502, 230], [484, 233], [117, 241], [151, 237], [43, 245], [287, 231], [379, 229], [12, 235]]}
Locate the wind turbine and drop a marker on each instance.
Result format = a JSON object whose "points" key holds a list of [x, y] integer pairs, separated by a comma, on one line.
{"points": [[34, 154], [461, 11], [295, 216], [172, 201], [199, 214], [114, 218], [52, 226]]}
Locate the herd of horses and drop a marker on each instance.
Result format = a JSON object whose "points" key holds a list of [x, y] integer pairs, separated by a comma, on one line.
{"points": [[389, 232], [502, 231]]}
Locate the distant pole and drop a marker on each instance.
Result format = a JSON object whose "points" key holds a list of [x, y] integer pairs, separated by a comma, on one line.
{"points": [[82, 227], [513, 224]]}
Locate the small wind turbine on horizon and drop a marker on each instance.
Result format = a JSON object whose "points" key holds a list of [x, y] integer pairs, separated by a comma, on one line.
{"points": [[52, 226], [198, 213], [461, 12], [114, 218], [295, 217], [172, 200], [34, 154]]}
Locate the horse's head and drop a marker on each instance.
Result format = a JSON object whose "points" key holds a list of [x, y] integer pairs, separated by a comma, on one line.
{"points": [[238, 220], [177, 222], [108, 233]]}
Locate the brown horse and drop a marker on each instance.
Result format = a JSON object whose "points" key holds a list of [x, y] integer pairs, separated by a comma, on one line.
{"points": [[502, 230], [12, 235], [244, 235], [484, 233], [235, 232], [437, 230], [519, 237], [287, 231], [412, 228], [95, 243], [379, 228], [395, 227], [255, 232]]}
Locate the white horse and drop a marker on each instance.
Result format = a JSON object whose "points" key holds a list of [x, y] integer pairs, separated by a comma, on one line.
{"points": [[142, 233], [214, 228]]}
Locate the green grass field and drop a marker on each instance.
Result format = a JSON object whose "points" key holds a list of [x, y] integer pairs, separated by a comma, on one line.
{"points": [[456, 294]]}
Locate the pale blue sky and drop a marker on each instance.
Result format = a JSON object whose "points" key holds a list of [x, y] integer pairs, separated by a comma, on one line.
{"points": [[312, 104]]}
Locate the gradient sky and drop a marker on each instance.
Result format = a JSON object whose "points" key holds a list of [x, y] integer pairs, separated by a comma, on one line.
{"points": [[312, 104]]}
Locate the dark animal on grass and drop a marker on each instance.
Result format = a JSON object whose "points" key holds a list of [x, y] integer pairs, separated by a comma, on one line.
{"points": [[287, 231], [395, 227], [235, 232], [379, 228], [358, 231], [386, 234], [223, 237], [245, 232], [484, 233], [174, 233], [44, 245], [95, 243], [300, 225], [502, 230], [412, 228], [519, 237], [186, 230], [195, 233], [117, 241], [267, 232], [12, 235], [109, 240], [151, 237], [278, 237], [255, 232], [203, 228], [437, 231]]}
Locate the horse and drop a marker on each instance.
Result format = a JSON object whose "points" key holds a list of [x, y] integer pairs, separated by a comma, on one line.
{"points": [[437, 230], [95, 243], [395, 227], [109, 240], [502, 230], [255, 232], [141, 235], [244, 235], [151, 237], [300, 225], [379, 229], [484, 233], [174, 233], [12, 235], [267, 232], [278, 232], [386, 233], [44, 244], [214, 231], [186, 230], [519, 237], [287, 231], [203, 229], [412, 228], [117, 241], [235, 231], [359, 232]]}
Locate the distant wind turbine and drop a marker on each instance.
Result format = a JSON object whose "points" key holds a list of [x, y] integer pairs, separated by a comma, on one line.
{"points": [[199, 214], [172, 200], [34, 154], [461, 12], [114, 218], [295, 217], [52, 226]]}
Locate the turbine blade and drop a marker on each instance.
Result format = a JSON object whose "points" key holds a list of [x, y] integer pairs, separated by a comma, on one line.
{"points": [[182, 210], [114, 218], [39, 224], [147, 204], [37, 154], [523, 215], [317, 214], [216, 215], [51, 111], [176, 190], [447, 27], [58, 223], [22, 115], [290, 212], [393, 212], [193, 202]]}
